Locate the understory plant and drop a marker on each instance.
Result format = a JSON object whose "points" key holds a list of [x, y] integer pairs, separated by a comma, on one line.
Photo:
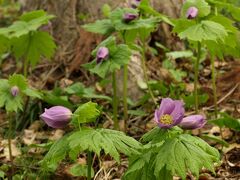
{"points": [[168, 151], [130, 25], [26, 40], [13, 92], [83, 139]]}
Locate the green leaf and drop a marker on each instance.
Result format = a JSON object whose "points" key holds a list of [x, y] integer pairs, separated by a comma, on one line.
{"points": [[119, 55], [85, 113], [203, 7], [110, 141], [216, 139], [104, 27], [231, 8], [4, 44], [117, 20], [33, 93], [206, 30], [11, 103], [31, 21], [56, 153], [106, 10], [157, 134], [227, 121], [57, 100], [34, 46], [185, 154], [179, 54], [171, 155], [80, 170], [19, 81]]}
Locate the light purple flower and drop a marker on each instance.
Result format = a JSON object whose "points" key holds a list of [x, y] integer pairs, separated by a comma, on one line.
{"points": [[170, 113], [128, 17], [102, 54], [192, 12], [193, 122], [14, 91], [56, 116]]}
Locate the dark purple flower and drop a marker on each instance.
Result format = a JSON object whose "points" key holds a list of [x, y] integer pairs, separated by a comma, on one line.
{"points": [[102, 54], [192, 12], [56, 116], [170, 113], [128, 17], [14, 91], [193, 122]]}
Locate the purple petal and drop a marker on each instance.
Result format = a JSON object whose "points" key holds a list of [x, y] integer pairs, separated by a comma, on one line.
{"points": [[192, 12], [14, 91], [178, 112], [57, 116], [102, 54], [166, 107], [193, 122], [128, 17]]}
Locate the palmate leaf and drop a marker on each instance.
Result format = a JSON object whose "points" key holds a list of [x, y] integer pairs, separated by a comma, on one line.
{"points": [[119, 55], [85, 113], [33, 46], [183, 154], [231, 44], [56, 153], [110, 141], [231, 8], [117, 20], [205, 30], [11, 103], [173, 155], [104, 27], [30, 21], [202, 6]]}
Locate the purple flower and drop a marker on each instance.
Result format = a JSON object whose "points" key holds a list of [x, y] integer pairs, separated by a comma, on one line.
{"points": [[102, 54], [128, 17], [170, 113], [192, 12], [56, 116], [14, 91], [193, 122]]}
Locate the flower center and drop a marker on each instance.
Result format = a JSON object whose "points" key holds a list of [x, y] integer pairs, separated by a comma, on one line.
{"points": [[166, 119]]}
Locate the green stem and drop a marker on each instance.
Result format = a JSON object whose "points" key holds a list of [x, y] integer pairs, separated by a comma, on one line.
{"points": [[115, 101], [89, 164], [196, 73], [10, 143], [125, 105], [25, 67], [214, 86], [145, 72]]}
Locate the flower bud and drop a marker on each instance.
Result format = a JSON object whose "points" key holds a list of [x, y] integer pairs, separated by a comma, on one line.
{"points": [[193, 122], [128, 17], [14, 91], [192, 12], [102, 54], [56, 116]]}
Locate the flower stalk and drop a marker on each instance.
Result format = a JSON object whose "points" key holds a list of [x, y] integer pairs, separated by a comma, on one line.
{"points": [[89, 164], [125, 94], [145, 72], [196, 74], [115, 101], [214, 86]]}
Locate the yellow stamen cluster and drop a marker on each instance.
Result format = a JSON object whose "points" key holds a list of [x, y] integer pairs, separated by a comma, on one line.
{"points": [[166, 119]]}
